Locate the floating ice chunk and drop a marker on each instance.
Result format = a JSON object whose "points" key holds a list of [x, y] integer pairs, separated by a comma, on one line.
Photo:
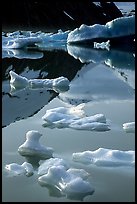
{"points": [[60, 84], [78, 172], [43, 168], [103, 45], [19, 42], [64, 114], [85, 32], [74, 118], [92, 126], [28, 168], [123, 26], [32, 147], [129, 127], [18, 81], [16, 169], [68, 182], [106, 157]]}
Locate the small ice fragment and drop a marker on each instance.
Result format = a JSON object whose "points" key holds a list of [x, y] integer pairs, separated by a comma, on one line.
{"points": [[32, 147]]}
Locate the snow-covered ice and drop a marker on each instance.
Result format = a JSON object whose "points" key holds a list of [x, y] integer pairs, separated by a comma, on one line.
{"points": [[59, 84], [15, 169], [129, 127], [106, 157], [32, 146], [62, 117], [69, 181], [123, 26]]}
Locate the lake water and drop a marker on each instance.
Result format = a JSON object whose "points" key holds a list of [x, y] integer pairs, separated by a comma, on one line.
{"points": [[103, 80]]}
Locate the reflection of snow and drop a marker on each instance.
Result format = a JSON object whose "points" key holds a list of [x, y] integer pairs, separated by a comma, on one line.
{"points": [[96, 83]]}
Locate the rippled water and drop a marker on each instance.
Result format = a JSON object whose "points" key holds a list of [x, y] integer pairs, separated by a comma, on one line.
{"points": [[103, 80]]}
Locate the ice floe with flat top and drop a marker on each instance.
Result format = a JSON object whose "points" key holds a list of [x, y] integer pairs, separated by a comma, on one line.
{"points": [[59, 84], [106, 157], [119, 27], [15, 169], [32, 147], [68, 117]]}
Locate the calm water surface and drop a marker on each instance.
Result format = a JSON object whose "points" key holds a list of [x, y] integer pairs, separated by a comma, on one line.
{"points": [[104, 81]]}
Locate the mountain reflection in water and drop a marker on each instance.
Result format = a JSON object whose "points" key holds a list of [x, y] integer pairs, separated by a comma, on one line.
{"points": [[94, 75]]}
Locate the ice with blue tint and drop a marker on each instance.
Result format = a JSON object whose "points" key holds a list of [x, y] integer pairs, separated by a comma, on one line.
{"points": [[123, 26], [112, 29]]}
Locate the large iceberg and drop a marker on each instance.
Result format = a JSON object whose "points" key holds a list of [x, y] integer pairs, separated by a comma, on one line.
{"points": [[119, 27]]}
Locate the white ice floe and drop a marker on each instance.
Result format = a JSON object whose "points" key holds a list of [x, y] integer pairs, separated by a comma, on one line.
{"points": [[59, 84], [24, 39], [32, 147], [106, 157], [62, 117], [123, 26], [103, 45], [70, 182], [15, 169], [129, 127], [19, 42]]}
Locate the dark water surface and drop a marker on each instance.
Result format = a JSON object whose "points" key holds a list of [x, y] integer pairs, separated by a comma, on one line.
{"points": [[103, 80]]}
